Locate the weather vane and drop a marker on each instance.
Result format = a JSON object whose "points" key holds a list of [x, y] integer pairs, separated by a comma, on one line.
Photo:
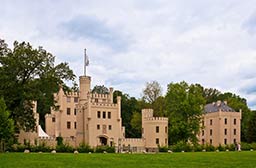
{"points": [[86, 61]]}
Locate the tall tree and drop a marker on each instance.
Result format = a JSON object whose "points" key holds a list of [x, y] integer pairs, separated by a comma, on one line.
{"points": [[6, 124], [28, 74], [152, 91], [184, 108], [100, 89]]}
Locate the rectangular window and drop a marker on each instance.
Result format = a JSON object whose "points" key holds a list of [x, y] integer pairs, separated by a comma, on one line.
{"points": [[234, 131], [203, 141], [53, 119], [225, 121], [210, 121], [98, 114], [68, 125], [98, 127], [96, 100], [109, 115], [110, 127], [157, 141], [211, 141], [165, 141], [234, 141], [157, 129], [76, 99], [74, 111], [68, 99], [166, 130], [68, 111], [225, 141], [202, 132], [104, 114], [210, 132], [75, 125], [234, 121], [225, 131]]}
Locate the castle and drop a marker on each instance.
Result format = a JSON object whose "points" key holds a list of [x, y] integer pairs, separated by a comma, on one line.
{"points": [[95, 119], [88, 118]]}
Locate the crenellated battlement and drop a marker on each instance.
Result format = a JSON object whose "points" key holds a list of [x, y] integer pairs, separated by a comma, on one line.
{"points": [[156, 119], [96, 95], [104, 104], [72, 94], [133, 139]]}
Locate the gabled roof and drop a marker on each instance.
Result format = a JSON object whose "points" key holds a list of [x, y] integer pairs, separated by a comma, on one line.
{"points": [[217, 106]]}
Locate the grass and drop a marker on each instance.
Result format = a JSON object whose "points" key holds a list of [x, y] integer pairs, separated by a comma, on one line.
{"points": [[198, 159]]}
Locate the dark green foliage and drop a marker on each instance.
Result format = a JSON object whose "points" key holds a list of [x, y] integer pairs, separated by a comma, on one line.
{"points": [[108, 149], [100, 89], [84, 148], [29, 74], [184, 105], [181, 146], [64, 148], [59, 141], [163, 149]]}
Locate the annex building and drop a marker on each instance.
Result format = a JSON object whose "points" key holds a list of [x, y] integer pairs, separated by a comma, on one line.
{"points": [[221, 124]]}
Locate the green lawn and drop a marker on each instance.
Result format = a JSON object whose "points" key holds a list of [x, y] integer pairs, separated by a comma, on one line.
{"points": [[198, 159]]}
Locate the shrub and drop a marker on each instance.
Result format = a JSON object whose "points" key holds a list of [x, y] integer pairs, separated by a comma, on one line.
{"points": [[84, 148], [209, 147], [163, 149], [65, 148], [221, 148], [59, 141], [108, 149], [245, 146], [181, 146]]}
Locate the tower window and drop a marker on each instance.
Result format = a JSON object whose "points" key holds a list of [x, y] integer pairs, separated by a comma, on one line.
{"points": [[104, 114], [210, 121], [110, 127], [225, 131], [53, 119], [75, 125], [234, 131], [74, 111], [109, 115], [68, 125], [234, 121], [98, 127], [76, 99], [157, 129], [98, 114], [211, 132], [225, 141], [157, 141], [68, 111], [225, 121]]}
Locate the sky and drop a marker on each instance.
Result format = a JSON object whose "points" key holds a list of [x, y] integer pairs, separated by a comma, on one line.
{"points": [[131, 42]]}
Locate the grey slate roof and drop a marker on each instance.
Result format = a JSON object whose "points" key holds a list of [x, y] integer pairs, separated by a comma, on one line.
{"points": [[217, 106]]}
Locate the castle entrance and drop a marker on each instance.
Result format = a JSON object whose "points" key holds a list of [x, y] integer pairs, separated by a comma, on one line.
{"points": [[103, 141]]}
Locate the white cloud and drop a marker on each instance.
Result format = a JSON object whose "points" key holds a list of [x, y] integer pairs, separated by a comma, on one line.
{"points": [[208, 42]]}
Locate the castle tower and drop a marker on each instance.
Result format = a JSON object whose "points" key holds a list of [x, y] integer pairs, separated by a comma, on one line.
{"points": [[154, 130]]}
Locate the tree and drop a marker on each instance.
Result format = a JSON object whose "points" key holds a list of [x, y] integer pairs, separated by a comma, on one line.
{"points": [[6, 124], [184, 108], [136, 123], [27, 75], [100, 89], [129, 105], [152, 91], [251, 129]]}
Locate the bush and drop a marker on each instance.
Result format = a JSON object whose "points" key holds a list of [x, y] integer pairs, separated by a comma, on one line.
{"points": [[84, 148], [163, 149], [181, 146], [209, 147], [221, 148], [64, 148], [108, 149], [245, 146], [231, 147], [59, 141], [198, 148]]}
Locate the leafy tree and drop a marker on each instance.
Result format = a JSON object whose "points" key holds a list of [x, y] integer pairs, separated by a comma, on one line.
{"points": [[152, 91], [6, 123], [129, 105], [251, 129], [136, 122], [184, 108], [100, 89], [28, 74]]}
